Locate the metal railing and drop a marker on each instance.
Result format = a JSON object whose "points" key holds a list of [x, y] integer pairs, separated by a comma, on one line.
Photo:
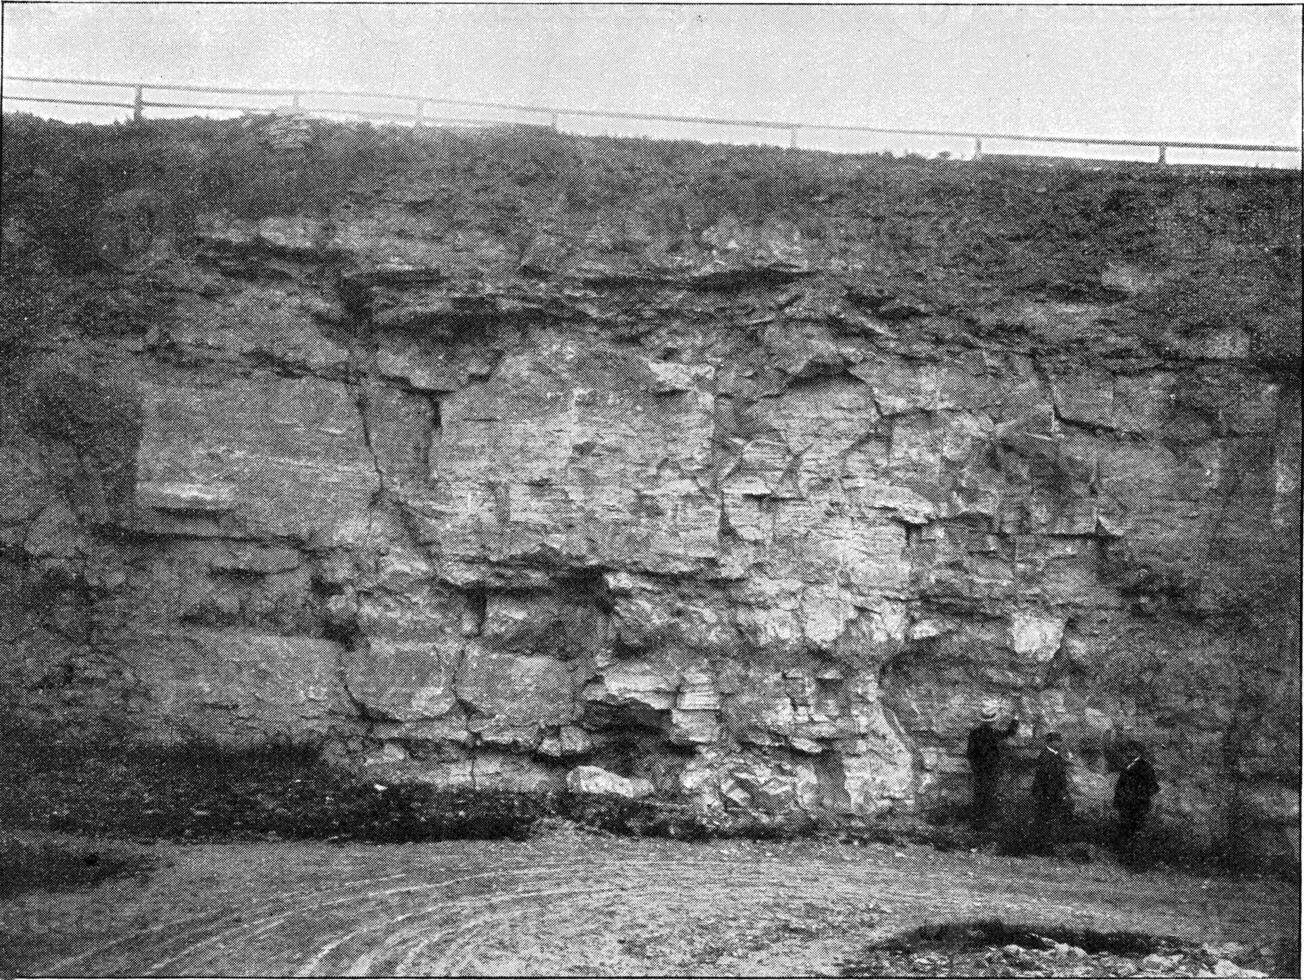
{"points": [[419, 114]]}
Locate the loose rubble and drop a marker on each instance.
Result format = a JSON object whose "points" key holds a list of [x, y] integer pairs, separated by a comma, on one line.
{"points": [[1054, 959]]}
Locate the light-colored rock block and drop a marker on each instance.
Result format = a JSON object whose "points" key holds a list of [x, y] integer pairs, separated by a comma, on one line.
{"points": [[595, 780]]}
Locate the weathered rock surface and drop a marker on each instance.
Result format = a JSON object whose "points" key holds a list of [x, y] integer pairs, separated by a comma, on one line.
{"points": [[745, 522]]}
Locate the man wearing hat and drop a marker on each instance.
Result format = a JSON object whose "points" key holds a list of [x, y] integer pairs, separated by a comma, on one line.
{"points": [[1137, 782], [1050, 793], [984, 754]]}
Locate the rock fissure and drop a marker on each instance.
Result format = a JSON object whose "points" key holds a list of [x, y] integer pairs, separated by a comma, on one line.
{"points": [[360, 396]]}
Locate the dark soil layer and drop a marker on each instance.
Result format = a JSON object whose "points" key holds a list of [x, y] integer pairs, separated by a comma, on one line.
{"points": [[203, 792], [195, 792], [56, 783]]}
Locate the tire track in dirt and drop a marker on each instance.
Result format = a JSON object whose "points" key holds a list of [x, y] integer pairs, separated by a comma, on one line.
{"points": [[602, 906], [730, 888], [505, 911], [365, 903], [207, 919], [562, 910], [460, 919], [355, 902], [558, 921], [570, 925], [457, 904]]}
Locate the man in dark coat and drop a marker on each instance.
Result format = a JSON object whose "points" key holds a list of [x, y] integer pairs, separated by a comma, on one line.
{"points": [[1137, 783], [984, 754], [1051, 800]]}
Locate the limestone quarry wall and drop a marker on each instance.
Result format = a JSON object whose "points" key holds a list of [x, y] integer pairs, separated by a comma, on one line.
{"points": [[754, 501]]}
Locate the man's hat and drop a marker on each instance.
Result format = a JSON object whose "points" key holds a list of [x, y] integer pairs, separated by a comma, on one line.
{"points": [[988, 711], [1054, 737]]}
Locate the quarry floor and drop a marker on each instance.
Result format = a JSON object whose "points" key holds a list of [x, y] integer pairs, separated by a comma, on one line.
{"points": [[569, 902]]}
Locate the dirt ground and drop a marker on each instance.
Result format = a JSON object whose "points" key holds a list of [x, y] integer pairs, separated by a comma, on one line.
{"points": [[576, 903]]}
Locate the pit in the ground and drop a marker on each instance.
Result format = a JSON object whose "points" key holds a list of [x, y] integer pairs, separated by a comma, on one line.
{"points": [[990, 947]]}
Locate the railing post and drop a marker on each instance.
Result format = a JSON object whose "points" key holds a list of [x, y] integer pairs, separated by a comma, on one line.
{"points": [[138, 104], [295, 102], [977, 147], [1163, 153], [554, 121], [792, 138]]}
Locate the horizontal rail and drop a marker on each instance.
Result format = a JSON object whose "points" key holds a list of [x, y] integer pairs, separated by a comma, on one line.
{"points": [[204, 105], [24, 98], [556, 112], [343, 111], [375, 114], [1095, 141]]}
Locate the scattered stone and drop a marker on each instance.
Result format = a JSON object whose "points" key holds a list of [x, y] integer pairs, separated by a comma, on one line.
{"points": [[389, 752], [593, 779], [1226, 968]]}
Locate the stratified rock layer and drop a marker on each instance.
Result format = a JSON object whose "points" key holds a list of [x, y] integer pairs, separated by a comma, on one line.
{"points": [[732, 515]]}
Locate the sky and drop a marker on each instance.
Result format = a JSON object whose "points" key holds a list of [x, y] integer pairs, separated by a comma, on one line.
{"points": [[1208, 73]]}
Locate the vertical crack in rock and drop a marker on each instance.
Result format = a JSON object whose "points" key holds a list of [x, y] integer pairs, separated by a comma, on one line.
{"points": [[724, 530], [360, 396], [469, 711], [346, 634], [407, 520], [359, 340], [360, 377], [342, 674], [432, 438]]}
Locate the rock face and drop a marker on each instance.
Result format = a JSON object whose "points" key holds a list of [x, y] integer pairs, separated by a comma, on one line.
{"points": [[708, 505]]}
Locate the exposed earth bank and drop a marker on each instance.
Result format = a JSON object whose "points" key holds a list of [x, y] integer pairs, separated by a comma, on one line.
{"points": [[732, 477]]}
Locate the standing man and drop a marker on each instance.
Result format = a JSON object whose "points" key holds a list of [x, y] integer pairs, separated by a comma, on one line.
{"points": [[1050, 794], [984, 754], [1137, 782]]}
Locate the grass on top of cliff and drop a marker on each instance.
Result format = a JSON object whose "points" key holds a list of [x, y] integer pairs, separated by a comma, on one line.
{"points": [[952, 234]]}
